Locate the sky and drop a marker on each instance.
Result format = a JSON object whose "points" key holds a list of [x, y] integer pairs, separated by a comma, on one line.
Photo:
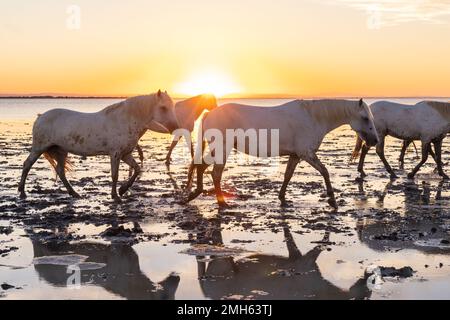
{"points": [[240, 48]]}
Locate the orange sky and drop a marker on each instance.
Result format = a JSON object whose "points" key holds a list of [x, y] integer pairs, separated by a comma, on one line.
{"points": [[235, 48]]}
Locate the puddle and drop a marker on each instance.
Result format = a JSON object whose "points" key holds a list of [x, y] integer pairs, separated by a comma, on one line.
{"points": [[155, 248]]}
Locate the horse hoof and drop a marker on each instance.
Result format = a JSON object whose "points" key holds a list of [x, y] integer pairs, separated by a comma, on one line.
{"points": [[194, 195], [123, 190], [223, 205], [445, 177], [359, 179], [75, 195], [117, 200], [411, 176], [183, 202], [393, 176], [285, 203], [23, 195], [333, 204]]}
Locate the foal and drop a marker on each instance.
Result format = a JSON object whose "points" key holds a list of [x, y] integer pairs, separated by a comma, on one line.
{"points": [[113, 131], [301, 125]]}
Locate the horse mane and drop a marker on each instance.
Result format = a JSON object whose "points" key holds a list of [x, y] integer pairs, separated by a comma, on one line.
{"points": [[198, 100], [139, 101], [442, 107], [329, 110]]}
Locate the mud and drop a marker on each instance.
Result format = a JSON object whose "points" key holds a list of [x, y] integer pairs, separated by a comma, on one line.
{"points": [[152, 247]]}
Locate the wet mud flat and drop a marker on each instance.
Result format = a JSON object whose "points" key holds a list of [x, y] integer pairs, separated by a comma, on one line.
{"points": [[389, 239]]}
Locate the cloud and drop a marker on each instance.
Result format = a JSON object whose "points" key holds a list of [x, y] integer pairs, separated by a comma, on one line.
{"points": [[383, 13]]}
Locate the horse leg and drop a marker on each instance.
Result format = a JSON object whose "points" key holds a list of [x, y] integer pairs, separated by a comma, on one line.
{"points": [[129, 160], [292, 164], [433, 155], [190, 177], [380, 152], [316, 164], [172, 146], [294, 252], [61, 156], [115, 163], [192, 146], [31, 160], [141, 154], [141, 158], [425, 150], [405, 146], [192, 168], [217, 178], [438, 158], [362, 158], [200, 168]]}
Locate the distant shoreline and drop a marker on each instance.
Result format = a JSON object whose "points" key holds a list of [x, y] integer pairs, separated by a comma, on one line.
{"points": [[226, 98], [58, 97]]}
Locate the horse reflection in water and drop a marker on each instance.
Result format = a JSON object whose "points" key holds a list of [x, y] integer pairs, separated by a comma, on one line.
{"points": [[415, 196], [121, 274], [275, 277], [409, 231]]}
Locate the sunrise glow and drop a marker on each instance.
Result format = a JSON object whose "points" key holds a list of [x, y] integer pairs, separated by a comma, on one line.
{"points": [[342, 48], [212, 82]]}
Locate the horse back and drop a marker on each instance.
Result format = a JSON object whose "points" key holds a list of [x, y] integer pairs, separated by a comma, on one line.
{"points": [[408, 121], [240, 116]]}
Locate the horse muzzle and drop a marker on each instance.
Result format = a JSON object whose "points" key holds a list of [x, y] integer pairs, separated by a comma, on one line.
{"points": [[172, 127], [370, 140]]}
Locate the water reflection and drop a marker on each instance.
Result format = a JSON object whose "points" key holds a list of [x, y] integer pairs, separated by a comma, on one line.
{"points": [[414, 194], [121, 274], [262, 276], [421, 226]]}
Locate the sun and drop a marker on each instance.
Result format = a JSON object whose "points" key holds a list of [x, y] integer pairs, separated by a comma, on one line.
{"points": [[216, 83]]}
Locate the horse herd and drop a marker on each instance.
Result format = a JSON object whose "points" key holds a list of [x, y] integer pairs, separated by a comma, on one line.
{"points": [[301, 125]]}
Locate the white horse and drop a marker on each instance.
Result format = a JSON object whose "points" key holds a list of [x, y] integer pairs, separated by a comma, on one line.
{"points": [[302, 126], [113, 131], [427, 121], [187, 112]]}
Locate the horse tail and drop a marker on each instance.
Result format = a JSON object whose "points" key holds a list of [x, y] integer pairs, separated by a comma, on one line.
{"points": [[357, 150], [201, 139], [415, 147], [53, 154], [202, 133]]}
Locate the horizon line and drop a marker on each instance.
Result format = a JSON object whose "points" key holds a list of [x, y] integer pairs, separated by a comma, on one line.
{"points": [[232, 96]]}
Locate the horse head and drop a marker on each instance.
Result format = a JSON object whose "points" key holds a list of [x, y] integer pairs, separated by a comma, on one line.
{"points": [[164, 112], [362, 122]]}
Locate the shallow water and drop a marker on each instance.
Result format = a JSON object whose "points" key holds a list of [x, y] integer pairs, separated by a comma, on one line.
{"points": [[255, 250]]}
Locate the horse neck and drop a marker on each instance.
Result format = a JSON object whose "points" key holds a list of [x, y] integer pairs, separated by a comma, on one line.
{"points": [[139, 109], [193, 107], [333, 114]]}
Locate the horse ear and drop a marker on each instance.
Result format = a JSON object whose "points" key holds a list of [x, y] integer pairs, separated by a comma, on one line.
{"points": [[159, 93], [361, 102]]}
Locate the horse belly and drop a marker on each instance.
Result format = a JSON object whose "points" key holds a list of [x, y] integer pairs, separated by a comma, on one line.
{"points": [[402, 124], [404, 134], [77, 135]]}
